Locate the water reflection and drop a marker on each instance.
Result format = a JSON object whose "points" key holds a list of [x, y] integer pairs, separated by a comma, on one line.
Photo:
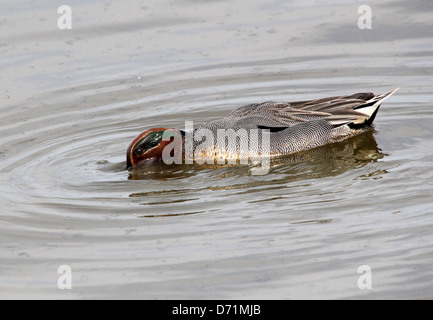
{"points": [[332, 160]]}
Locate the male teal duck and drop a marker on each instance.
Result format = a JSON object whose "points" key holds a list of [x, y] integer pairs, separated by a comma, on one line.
{"points": [[291, 126]]}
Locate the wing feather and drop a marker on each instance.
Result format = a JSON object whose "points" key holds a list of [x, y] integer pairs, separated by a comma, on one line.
{"points": [[338, 110]]}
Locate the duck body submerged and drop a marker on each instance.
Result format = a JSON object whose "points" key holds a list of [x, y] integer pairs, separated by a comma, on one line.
{"points": [[264, 129]]}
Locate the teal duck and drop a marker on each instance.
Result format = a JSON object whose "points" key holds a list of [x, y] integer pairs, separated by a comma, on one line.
{"points": [[290, 126]]}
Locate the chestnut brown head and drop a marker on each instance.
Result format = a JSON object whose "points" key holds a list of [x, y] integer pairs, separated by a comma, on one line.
{"points": [[147, 147]]}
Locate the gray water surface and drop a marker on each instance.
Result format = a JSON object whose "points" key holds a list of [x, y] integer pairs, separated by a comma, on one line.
{"points": [[72, 100]]}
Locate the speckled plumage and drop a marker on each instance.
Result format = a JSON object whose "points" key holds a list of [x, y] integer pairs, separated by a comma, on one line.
{"points": [[297, 126]]}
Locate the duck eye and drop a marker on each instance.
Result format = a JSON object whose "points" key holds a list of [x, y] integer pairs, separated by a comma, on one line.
{"points": [[138, 152]]}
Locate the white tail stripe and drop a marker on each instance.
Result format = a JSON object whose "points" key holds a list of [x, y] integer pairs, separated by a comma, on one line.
{"points": [[369, 111]]}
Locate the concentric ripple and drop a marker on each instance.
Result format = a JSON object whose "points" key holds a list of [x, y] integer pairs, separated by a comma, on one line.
{"points": [[71, 152], [68, 198]]}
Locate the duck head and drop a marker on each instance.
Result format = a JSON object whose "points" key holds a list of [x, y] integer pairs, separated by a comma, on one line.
{"points": [[148, 146]]}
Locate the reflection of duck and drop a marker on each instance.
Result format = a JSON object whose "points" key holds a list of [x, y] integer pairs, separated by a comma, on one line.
{"points": [[293, 127]]}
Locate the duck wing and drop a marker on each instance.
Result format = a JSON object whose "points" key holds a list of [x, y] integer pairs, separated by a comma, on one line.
{"points": [[356, 109]]}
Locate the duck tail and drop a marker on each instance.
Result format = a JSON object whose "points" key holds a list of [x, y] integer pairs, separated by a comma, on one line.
{"points": [[371, 107]]}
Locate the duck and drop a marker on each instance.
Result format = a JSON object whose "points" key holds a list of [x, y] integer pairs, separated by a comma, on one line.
{"points": [[270, 129]]}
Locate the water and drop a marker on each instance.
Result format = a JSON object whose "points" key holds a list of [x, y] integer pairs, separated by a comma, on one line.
{"points": [[72, 100]]}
